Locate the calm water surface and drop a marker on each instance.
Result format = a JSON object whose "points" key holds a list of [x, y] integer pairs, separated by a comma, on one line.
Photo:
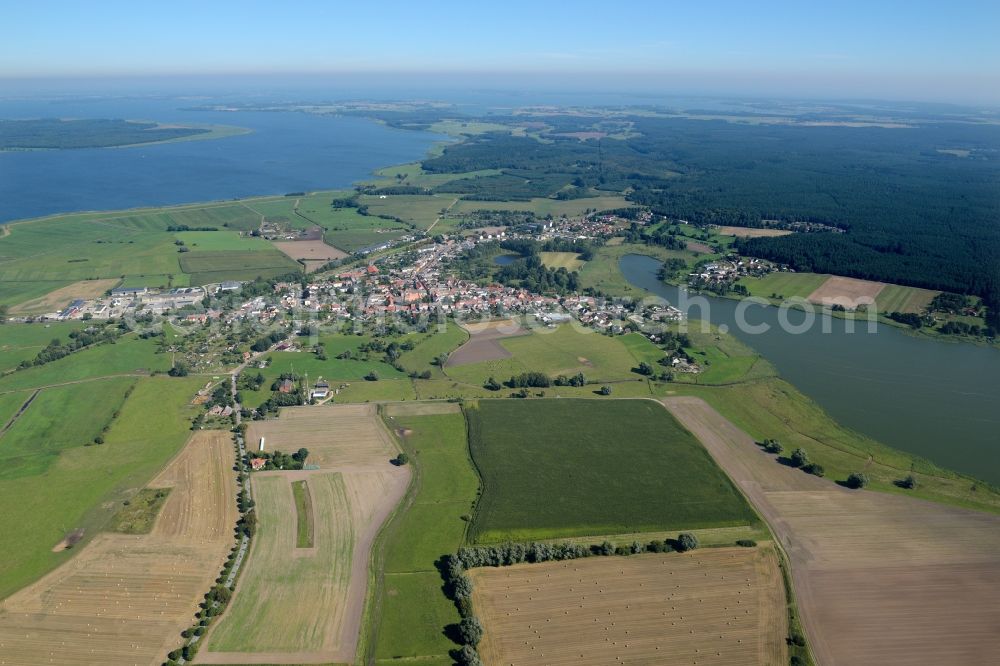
{"points": [[939, 400], [286, 152]]}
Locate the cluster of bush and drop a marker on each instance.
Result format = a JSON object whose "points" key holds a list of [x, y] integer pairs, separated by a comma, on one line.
{"points": [[800, 459], [278, 460], [56, 349]]}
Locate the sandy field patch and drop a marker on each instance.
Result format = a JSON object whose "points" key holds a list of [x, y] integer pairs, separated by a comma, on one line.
{"points": [[848, 292], [878, 578], [413, 408], [748, 232], [698, 247], [314, 253], [718, 606], [124, 599], [60, 298], [484, 341], [337, 436], [304, 605]]}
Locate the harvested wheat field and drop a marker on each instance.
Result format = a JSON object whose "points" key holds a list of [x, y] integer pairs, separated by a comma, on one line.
{"points": [[749, 232], [847, 292], [125, 599], [717, 606], [304, 605], [878, 578], [60, 298], [337, 436], [484, 341]]}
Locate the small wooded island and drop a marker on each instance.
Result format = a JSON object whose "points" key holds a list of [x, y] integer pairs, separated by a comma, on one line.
{"points": [[59, 134]]}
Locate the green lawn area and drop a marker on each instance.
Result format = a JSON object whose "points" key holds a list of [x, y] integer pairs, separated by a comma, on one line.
{"points": [[897, 298], [642, 349], [415, 176], [569, 260], [418, 209], [47, 253], [784, 285], [560, 468], [412, 610], [23, 341], [564, 350], [384, 390], [332, 369], [10, 403], [36, 439], [543, 207], [84, 486], [216, 241], [217, 266], [431, 345], [129, 355]]}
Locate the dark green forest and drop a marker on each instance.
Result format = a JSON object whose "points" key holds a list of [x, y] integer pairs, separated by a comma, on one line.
{"points": [[910, 213]]}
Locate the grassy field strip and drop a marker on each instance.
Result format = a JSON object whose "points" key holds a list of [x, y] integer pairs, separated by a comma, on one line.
{"points": [[722, 606], [304, 515], [125, 598], [411, 609], [877, 576]]}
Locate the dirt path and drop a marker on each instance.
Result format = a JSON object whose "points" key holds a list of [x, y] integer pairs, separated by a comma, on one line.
{"points": [[879, 578], [438, 218], [22, 410]]}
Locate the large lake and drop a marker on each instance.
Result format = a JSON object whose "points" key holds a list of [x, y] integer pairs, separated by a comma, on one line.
{"points": [[286, 152], [939, 400]]}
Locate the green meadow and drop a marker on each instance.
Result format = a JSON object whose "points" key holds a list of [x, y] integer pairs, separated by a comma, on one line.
{"points": [[83, 486], [135, 245], [563, 350], [411, 609], [129, 356], [561, 468]]}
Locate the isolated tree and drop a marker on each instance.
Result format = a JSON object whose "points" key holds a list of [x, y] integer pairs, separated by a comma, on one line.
{"points": [[492, 385], [857, 480], [814, 468], [686, 541], [645, 369], [468, 656], [301, 455], [799, 458], [471, 631], [401, 460], [773, 446], [910, 482], [372, 376], [605, 390]]}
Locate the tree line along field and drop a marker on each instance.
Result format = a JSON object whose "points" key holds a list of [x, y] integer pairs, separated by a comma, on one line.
{"points": [[409, 611], [560, 468], [83, 484]]}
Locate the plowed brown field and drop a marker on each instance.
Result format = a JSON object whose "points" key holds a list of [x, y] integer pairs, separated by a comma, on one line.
{"points": [[125, 599], [879, 579]]}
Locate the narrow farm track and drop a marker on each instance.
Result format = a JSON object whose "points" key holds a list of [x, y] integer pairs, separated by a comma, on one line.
{"points": [[24, 408], [879, 578]]}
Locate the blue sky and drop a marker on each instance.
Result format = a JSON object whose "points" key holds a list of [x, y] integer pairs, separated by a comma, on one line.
{"points": [[918, 49]]}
